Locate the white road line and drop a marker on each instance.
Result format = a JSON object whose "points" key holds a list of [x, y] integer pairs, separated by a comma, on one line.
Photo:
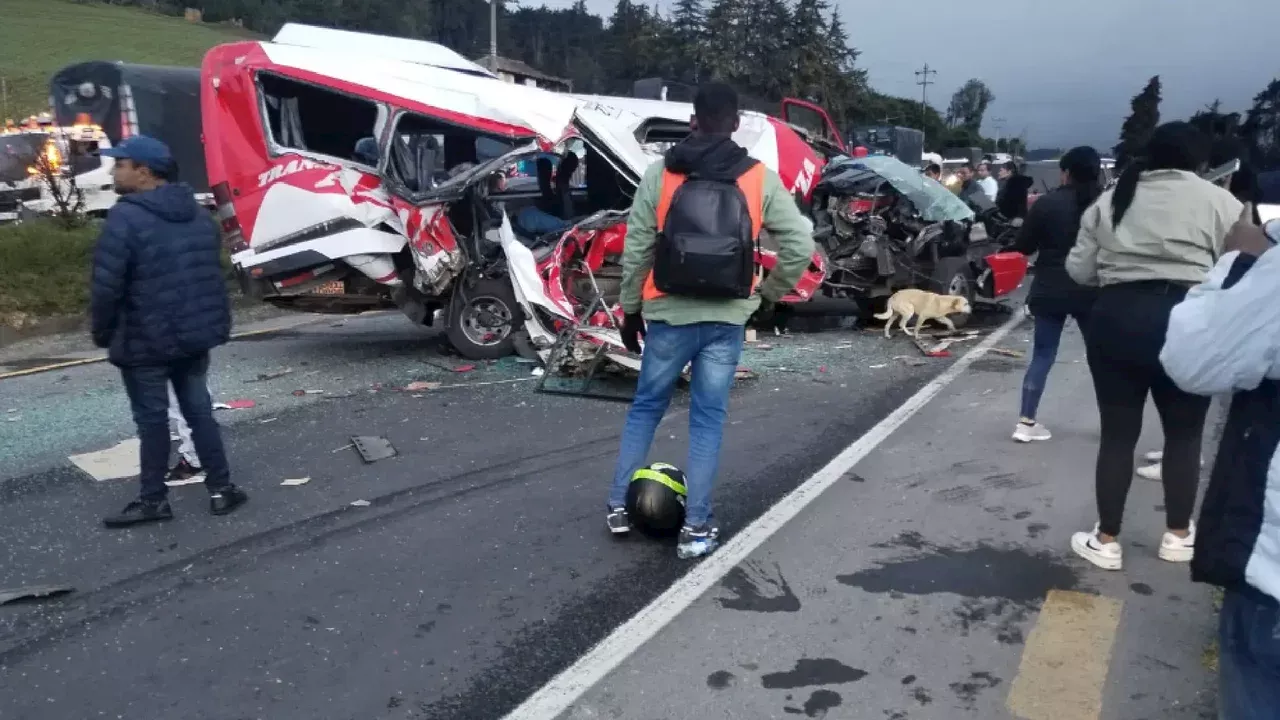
{"points": [[563, 691]]}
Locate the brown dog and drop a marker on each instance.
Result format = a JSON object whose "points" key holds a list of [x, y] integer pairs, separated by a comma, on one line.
{"points": [[923, 305]]}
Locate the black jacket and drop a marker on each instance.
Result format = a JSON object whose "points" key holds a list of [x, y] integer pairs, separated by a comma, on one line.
{"points": [[1012, 199], [1219, 340], [1050, 229], [158, 292]]}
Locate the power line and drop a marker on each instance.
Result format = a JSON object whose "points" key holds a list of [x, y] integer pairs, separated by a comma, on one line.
{"points": [[924, 82]]}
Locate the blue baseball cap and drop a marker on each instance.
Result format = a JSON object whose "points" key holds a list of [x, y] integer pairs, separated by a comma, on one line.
{"points": [[143, 150]]}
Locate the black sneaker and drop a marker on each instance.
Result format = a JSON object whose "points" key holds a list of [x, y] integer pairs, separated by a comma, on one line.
{"points": [[697, 541], [139, 512], [618, 522], [227, 500], [184, 473]]}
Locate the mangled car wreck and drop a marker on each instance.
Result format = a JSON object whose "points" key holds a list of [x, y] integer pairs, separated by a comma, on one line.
{"points": [[403, 179]]}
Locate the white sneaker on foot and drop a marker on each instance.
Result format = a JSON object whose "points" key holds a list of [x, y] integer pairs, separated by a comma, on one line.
{"points": [[1025, 433], [1178, 549], [1151, 472], [1153, 456], [1108, 556]]}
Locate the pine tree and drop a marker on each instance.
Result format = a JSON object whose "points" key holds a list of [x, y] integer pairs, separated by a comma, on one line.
{"points": [[810, 56], [846, 85], [766, 52], [726, 39], [1261, 128], [1142, 121], [688, 22]]}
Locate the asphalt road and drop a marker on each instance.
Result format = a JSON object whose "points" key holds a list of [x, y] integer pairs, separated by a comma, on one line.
{"points": [[479, 568]]}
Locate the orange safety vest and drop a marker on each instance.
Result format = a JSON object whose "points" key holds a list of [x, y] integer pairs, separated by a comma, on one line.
{"points": [[751, 183]]}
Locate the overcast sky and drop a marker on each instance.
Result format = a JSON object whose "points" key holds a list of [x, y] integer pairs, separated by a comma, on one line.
{"points": [[1065, 70]]}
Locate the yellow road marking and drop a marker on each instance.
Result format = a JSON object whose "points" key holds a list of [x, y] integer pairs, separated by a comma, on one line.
{"points": [[1066, 658]]}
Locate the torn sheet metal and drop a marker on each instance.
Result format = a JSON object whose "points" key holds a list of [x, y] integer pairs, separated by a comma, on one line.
{"points": [[33, 592], [373, 448]]}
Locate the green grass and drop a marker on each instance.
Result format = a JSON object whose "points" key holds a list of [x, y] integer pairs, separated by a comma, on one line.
{"points": [[45, 271], [40, 37]]}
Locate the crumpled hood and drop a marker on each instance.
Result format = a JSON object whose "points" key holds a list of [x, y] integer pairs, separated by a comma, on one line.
{"points": [[712, 157], [171, 202]]}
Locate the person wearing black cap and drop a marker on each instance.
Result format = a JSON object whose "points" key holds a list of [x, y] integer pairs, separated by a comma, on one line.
{"points": [[159, 304]]}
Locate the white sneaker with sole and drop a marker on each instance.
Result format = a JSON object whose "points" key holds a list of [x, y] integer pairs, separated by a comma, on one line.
{"points": [[1151, 472], [1026, 433], [1153, 456], [1178, 549], [1108, 556]]}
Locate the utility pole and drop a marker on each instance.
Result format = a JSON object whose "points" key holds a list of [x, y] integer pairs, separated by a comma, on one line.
{"points": [[924, 82], [997, 124], [493, 34]]}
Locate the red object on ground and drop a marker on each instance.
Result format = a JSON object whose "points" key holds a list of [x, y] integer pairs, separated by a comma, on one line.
{"points": [[1007, 271], [240, 404], [464, 368]]}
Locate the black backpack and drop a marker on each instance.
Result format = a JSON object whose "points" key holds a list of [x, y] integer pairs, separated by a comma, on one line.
{"points": [[706, 247]]}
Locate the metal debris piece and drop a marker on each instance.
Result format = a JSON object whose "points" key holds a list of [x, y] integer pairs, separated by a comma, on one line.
{"points": [[420, 385], [235, 405], [1007, 353], [294, 482], [361, 503], [33, 592], [373, 448], [464, 368], [272, 375], [743, 373]]}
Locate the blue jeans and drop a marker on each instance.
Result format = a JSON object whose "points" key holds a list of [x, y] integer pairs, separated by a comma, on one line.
{"points": [[714, 349], [148, 390], [537, 222], [1046, 338], [1249, 659]]}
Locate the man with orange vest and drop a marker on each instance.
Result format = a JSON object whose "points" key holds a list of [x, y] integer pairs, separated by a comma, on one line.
{"points": [[689, 285]]}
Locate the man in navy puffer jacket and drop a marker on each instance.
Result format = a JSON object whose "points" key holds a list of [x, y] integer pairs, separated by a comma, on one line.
{"points": [[159, 304]]}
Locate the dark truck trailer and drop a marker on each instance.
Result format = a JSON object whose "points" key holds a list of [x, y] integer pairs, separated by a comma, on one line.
{"points": [[126, 99], [904, 143]]}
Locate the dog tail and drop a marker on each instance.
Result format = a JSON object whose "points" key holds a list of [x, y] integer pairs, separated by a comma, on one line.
{"points": [[888, 313]]}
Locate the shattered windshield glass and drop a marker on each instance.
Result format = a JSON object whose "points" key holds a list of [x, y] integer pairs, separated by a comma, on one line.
{"points": [[466, 174], [934, 202]]}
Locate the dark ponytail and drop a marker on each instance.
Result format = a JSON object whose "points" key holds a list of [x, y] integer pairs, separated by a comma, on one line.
{"points": [[1173, 146], [1083, 167]]}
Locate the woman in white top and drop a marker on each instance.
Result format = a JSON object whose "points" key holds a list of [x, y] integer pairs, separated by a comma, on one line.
{"points": [[1144, 244]]}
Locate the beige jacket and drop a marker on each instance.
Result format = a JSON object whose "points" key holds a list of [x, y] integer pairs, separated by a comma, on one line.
{"points": [[1173, 231]]}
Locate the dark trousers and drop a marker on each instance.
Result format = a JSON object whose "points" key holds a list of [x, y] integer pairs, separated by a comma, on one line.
{"points": [[1249, 658], [1125, 334], [147, 386]]}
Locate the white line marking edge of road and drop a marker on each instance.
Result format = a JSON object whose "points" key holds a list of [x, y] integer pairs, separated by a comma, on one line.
{"points": [[559, 695]]}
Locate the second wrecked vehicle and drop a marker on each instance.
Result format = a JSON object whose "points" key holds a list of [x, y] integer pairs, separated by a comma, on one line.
{"points": [[347, 183]]}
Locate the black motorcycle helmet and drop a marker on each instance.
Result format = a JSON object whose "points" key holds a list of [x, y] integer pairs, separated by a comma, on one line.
{"points": [[656, 498]]}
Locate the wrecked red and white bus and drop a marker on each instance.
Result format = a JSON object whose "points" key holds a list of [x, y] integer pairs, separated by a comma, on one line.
{"points": [[350, 183]]}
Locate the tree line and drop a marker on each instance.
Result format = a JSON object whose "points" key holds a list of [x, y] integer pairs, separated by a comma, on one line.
{"points": [[767, 49], [1257, 129]]}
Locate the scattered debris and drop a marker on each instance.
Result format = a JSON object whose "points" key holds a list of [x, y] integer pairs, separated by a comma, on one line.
{"points": [[877, 367], [264, 421], [293, 482], [235, 405], [822, 368], [464, 368], [751, 335], [537, 372], [1007, 353], [764, 346], [114, 463], [344, 447], [743, 373], [198, 480], [360, 503], [420, 385], [373, 448], [33, 592], [272, 375]]}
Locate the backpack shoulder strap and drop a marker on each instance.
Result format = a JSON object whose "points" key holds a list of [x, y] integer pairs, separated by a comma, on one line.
{"points": [[671, 182]]}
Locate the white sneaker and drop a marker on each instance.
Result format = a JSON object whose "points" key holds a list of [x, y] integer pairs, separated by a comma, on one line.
{"points": [[1151, 472], [1177, 549], [1153, 456], [1026, 433], [1108, 556]]}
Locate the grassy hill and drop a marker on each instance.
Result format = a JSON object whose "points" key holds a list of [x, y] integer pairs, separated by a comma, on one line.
{"points": [[40, 37]]}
